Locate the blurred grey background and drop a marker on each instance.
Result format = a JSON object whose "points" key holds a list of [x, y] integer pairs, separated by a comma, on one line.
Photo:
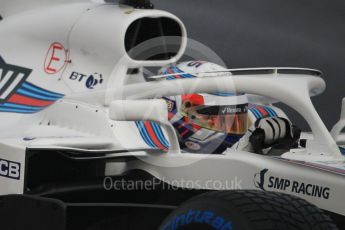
{"points": [[266, 33]]}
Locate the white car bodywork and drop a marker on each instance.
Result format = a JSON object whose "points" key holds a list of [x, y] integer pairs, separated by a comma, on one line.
{"points": [[102, 118]]}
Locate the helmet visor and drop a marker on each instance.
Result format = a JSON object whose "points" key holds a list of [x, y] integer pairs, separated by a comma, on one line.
{"points": [[230, 119]]}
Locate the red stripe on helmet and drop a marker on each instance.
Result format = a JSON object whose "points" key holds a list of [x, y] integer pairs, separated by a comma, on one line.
{"points": [[262, 110], [170, 71]]}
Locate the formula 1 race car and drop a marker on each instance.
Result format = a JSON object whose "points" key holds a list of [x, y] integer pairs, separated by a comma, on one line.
{"points": [[73, 154]]}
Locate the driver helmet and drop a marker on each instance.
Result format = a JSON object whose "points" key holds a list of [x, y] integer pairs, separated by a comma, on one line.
{"points": [[205, 123]]}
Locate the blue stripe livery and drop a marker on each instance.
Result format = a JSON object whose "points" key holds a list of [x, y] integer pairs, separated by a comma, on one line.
{"points": [[30, 91], [40, 91], [146, 136]]}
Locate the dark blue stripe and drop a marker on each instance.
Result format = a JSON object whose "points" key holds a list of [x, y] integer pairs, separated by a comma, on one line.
{"points": [[259, 115], [147, 135], [39, 89], [144, 134], [16, 110], [141, 134], [40, 94], [274, 114], [254, 111], [186, 75], [158, 131], [269, 111], [26, 93], [17, 106], [169, 77]]}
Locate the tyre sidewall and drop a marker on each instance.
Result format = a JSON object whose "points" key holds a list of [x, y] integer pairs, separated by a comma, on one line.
{"points": [[206, 213]]}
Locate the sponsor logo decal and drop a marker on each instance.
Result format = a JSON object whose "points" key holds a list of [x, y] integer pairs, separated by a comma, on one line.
{"points": [[259, 179], [234, 109], [223, 109], [9, 169], [192, 145], [264, 182], [171, 105], [196, 64], [20, 96], [199, 217], [90, 81], [11, 76], [56, 58], [172, 109]]}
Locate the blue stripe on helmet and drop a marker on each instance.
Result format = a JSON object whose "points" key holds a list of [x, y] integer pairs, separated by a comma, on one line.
{"points": [[255, 112], [269, 111], [185, 75], [177, 70], [169, 77], [274, 114]]}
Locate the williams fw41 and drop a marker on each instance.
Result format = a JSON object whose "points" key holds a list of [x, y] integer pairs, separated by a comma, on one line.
{"points": [[88, 141]]}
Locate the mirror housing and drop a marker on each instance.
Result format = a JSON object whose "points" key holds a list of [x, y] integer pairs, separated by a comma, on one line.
{"points": [[146, 110]]}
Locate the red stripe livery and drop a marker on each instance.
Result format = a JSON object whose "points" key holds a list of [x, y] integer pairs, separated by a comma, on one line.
{"points": [[23, 100], [153, 136]]}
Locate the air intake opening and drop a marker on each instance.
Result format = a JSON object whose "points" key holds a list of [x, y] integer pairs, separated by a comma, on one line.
{"points": [[153, 39]]}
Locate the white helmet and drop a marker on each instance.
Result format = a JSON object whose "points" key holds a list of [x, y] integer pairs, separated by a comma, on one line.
{"points": [[206, 122]]}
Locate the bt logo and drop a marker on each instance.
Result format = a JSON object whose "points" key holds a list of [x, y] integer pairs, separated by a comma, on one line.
{"points": [[91, 81]]}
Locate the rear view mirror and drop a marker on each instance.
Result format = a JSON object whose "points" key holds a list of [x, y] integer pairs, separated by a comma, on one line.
{"points": [[146, 110]]}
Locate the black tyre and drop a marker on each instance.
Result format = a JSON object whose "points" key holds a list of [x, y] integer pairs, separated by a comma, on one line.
{"points": [[247, 210]]}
